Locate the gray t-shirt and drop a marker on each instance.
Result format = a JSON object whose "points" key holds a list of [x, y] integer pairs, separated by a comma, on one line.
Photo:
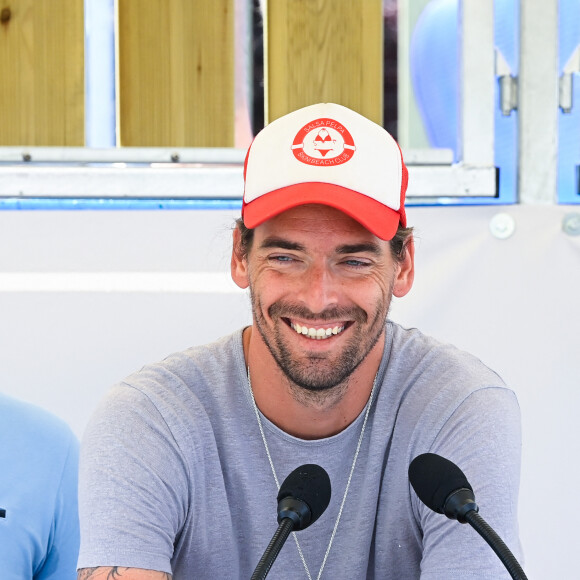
{"points": [[174, 475]]}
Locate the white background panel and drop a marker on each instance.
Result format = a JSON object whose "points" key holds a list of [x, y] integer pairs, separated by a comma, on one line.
{"points": [[121, 289]]}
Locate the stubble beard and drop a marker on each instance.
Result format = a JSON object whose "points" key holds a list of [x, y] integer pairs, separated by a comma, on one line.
{"points": [[316, 378]]}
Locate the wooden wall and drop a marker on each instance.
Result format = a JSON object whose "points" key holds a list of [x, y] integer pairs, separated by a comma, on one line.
{"points": [[176, 72], [324, 50], [42, 72], [175, 67]]}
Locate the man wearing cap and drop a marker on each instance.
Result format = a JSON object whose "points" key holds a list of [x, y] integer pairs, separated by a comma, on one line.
{"points": [[182, 462]]}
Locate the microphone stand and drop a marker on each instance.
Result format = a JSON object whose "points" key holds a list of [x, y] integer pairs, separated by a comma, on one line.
{"points": [[496, 544], [284, 529], [312, 486]]}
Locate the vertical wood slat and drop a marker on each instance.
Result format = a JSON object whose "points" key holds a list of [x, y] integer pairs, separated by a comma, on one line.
{"points": [[324, 50], [176, 73], [42, 68]]}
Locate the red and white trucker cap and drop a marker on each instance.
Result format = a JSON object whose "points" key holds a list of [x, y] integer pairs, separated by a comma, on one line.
{"points": [[326, 154]]}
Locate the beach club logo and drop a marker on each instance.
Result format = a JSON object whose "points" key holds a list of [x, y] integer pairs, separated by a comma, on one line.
{"points": [[323, 142]]}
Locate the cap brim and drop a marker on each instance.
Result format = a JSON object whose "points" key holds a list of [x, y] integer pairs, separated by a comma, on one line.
{"points": [[371, 214]]}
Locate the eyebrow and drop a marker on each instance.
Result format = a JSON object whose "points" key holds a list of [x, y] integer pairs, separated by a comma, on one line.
{"points": [[273, 242], [368, 247]]}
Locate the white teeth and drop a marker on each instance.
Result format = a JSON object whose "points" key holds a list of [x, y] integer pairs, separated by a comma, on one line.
{"points": [[316, 333]]}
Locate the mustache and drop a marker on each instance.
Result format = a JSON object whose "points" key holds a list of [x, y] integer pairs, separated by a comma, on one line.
{"points": [[285, 310]]}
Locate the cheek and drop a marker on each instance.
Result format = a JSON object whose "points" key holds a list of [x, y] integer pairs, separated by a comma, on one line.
{"points": [[272, 283], [264, 291], [376, 290]]}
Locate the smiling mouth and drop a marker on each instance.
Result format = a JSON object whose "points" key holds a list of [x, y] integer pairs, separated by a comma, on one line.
{"points": [[316, 333]]}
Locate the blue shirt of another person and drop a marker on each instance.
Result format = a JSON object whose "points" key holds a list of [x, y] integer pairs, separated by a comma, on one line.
{"points": [[39, 529]]}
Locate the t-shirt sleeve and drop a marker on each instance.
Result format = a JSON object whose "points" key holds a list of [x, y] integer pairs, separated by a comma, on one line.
{"points": [[133, 485], [482, 437]]}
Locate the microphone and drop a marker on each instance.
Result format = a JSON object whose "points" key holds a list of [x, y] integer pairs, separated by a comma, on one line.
{"points": [[303, 497], [443, 487]]}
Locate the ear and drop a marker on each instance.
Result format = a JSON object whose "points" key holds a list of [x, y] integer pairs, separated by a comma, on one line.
{"points": [[239, 265], [406, 271]]}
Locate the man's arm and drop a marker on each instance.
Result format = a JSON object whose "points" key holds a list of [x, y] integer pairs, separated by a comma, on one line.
{"points": [[130, 465], [483, 438], [120, 573]]}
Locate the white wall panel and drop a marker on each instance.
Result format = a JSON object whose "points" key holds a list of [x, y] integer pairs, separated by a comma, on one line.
{"points": [[514, 302]]}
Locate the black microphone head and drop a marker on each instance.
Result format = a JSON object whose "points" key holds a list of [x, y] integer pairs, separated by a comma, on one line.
{"points": [[434, 479], [310, 485]]}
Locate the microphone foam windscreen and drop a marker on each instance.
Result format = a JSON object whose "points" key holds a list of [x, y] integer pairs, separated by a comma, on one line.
{"points": [[311, 484], [433, 478]]}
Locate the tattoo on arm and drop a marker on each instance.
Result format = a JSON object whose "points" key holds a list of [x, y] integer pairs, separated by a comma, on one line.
{"points": [[116, 573], [86, 573]]}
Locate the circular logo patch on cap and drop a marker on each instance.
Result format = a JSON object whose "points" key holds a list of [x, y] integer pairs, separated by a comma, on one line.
{"points": [[323, 142]]}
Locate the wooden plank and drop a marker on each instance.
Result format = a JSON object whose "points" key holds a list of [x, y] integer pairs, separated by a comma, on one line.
{"points": [[41, 59], [176, 73], [324, 50]]}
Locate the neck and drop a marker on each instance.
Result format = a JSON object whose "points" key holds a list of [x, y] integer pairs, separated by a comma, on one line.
{"points": [[298, 411]]}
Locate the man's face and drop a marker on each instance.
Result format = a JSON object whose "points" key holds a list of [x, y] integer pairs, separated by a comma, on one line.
{"points": [[321, 286]]}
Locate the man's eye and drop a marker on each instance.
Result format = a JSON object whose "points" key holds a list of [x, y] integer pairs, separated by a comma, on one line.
{"points": [[356, 263], [281, 258]]}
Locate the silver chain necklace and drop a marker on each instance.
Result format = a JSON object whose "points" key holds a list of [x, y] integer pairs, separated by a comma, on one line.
{"points": [[362, 432]]}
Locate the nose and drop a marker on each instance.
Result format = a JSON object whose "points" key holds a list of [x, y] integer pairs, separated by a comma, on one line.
{"points": [[318, 288]]}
